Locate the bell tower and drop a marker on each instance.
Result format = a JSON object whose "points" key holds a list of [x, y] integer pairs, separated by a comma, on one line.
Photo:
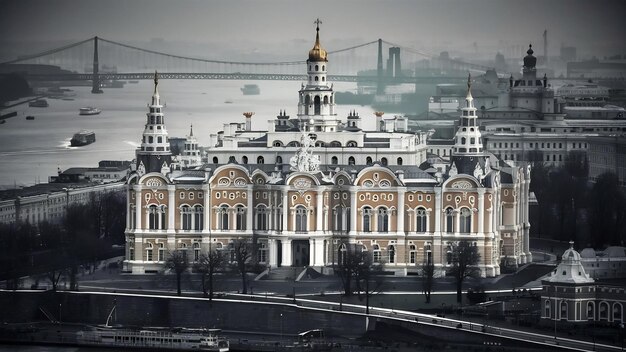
{"points": [[316, 104], [154, 154]]}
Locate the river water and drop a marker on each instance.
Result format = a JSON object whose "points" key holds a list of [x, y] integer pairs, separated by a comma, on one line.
{"points": [[32, 150]]}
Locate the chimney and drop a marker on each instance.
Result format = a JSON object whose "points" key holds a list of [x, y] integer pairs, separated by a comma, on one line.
{"points": [[248, 116], [379, 119]]}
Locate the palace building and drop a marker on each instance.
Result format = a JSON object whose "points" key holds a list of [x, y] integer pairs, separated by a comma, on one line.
{"points": [[307, 187]]}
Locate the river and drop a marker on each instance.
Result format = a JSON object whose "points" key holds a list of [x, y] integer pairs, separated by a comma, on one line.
{"points": [[32, 150]]}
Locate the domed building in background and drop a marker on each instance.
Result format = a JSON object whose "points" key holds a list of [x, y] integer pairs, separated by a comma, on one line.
{"points": [[310, 186], [571, 295]]}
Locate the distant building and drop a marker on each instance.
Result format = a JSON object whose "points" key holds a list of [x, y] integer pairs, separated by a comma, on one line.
{"points": [[571, 295], [107, 171], [47, 201], [607, 154], [606, 264]]}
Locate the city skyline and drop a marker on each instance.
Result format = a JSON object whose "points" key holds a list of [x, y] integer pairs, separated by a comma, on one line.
{"points": [[254, 26]]}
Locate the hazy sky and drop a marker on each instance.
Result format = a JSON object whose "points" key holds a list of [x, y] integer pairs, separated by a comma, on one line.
{"points": [[241, 23]]}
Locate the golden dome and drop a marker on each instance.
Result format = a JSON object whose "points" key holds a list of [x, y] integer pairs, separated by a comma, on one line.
{"points": [[318, 53]]}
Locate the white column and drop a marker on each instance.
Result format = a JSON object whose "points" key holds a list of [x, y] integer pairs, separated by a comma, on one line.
{"points": [[207, 208], [438, 213], [286, 252], [400, 212], [138, 207], [317, 251], [171, 207], [128, 195], [457, 221], [250, 211], [271, 244], [481, 211], [319, 213], [353, 211]]}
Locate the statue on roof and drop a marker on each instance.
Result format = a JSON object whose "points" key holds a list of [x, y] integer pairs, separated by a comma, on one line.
{"points": [[304, 160]]}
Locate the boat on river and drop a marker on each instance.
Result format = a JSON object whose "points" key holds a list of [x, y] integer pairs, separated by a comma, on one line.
{"points": [[89, 110], [39, 103], [83, 138], [154, 338]]}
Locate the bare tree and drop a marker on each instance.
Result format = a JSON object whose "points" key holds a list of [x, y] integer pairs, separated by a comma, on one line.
{"points": [[243, 253], [177, 262], [465, 256], [207, 264], [354, 265], [427, 272]]}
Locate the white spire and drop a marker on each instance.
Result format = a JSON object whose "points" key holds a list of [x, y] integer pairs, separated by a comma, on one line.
{"points": [[468, 140]]}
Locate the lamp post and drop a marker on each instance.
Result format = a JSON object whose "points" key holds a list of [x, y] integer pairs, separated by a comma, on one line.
{"points": [[281, 328], [59, 312]]}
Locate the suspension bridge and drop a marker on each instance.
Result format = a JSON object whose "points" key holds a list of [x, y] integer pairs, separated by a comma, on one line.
{"points": [[97, 60]]}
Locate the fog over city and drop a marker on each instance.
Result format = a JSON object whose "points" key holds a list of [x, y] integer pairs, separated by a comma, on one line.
{"points": [[281, 29]]}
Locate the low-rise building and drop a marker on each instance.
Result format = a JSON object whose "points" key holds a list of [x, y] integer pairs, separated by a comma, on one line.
{"points": [[571, 295]]}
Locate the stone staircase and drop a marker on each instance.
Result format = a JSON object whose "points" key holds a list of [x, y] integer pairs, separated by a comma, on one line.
{"points": [[286, 273]]}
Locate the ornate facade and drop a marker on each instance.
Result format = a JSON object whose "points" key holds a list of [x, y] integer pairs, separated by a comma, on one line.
{"points": [[341, 185]]}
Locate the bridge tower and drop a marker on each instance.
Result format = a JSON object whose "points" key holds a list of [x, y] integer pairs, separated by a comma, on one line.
{"points": [[380, 87], [95, 80]]}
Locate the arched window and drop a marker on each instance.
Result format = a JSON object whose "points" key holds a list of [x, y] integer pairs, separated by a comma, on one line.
{"points": [[368, 160], [466, 220], [325, 99], [323, 67], [546, 308], [412, 254], [196, 251], [262, 253], [185, 213], [334, 160], [317, 104], [351, 144], [351, 160], [383, 219], [293, 144], [449, 220], [222, 218], [260, 160], [277, 144], [391, 251], [307, 103], [156, 217], [335, 144], [376, 253], [149, 252], [399, 161], [428, 253], [367, 219], [317, 78], [383, 161], [261, 218], [617, 312], [215, 160], [198, 218], [131, 249], [320, 144], [244, 160], [133, 217], [563, 310], [338, 218], [324, 80], [591, 311], [241, 217], [279, 159], [341, 254], [317, 67], [449, 250], [301, 219], [463, 140], [604, 311], [161, 252], [420, 220]]}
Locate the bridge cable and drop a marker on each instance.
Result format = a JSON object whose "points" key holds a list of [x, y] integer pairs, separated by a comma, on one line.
{"points": [[48, 52]]}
